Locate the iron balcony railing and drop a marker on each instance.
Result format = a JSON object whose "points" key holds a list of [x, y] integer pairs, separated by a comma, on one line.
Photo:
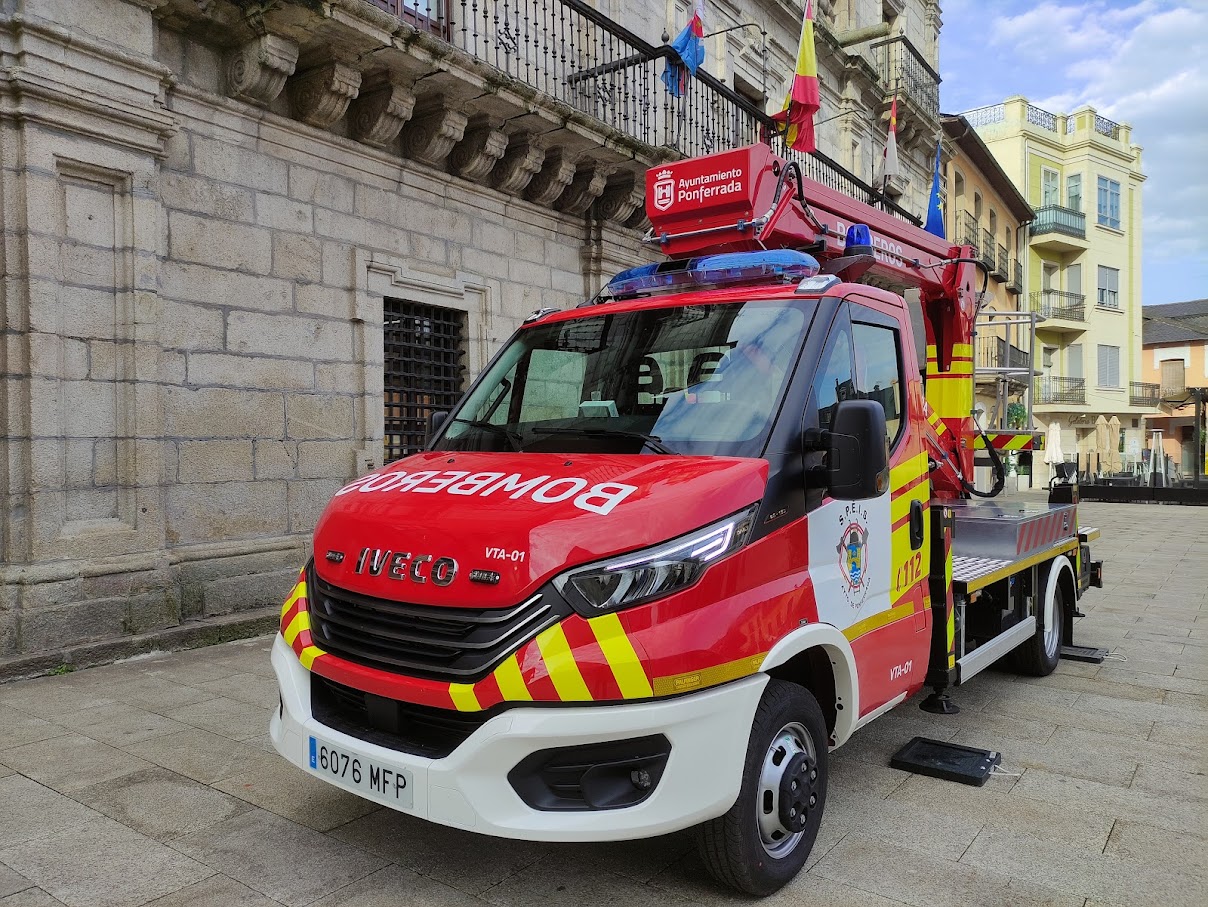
{"points": [[996, 353], [1016, 283], [967, 230], [1142, 393], [986, 250], [1059, 304], [1056, 389], [903, 69], [571, 52], [1056, 219], [1003, 268]]}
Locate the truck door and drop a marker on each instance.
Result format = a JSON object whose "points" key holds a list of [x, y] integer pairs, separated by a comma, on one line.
{"points": [[869, 558]]}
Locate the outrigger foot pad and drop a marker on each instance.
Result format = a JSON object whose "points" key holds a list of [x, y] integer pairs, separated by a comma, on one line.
{"points": [[1084, 653], [938, 703]]}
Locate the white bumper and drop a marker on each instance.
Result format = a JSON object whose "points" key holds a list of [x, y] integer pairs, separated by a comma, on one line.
{"points": [[469, 788]]}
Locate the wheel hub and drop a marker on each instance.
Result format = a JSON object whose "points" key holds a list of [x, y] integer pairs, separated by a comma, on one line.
{"points": [[787, 791]]}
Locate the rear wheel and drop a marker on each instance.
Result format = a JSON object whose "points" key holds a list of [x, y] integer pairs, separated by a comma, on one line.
{"points": [[1038, 656], [763, 841]]}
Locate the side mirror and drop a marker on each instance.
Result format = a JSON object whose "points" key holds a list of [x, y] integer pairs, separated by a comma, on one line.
{"points": [[857, 451], [436, 419]]}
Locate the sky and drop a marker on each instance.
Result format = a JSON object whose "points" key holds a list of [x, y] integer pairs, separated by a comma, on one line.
{"points": [[1145, 64]]}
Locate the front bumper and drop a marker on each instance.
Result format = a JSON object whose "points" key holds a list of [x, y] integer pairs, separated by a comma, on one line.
{"points": [[469, 788]]}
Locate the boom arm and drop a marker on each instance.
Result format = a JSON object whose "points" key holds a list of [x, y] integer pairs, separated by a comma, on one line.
{"points": [[750, 199]]}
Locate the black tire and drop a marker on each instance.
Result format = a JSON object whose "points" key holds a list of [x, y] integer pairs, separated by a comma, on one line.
{"points": [[733, 845], [1038, 656]]}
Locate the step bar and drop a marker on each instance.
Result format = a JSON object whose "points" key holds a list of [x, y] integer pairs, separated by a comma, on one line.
{"points": [[984, 656]]}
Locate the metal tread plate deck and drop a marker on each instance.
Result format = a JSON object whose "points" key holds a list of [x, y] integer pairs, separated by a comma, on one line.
{"points": [[972, 573]]}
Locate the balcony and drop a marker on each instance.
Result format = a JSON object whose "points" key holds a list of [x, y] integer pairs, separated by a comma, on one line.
{"points": [[1002, 266], [1059, 229], [905, 74], [967, 231], [1057, 389], [1063, 312], [985, 249], [550, 101], [1016, 283], [1141, 393]]}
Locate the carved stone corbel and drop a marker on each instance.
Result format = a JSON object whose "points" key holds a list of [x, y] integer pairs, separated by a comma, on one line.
{"points": [[519, 164], [585, 188], [431, 136], [553, 178], [478, 153], [257, 71], [621, 199], [320, 96], [378, 115]]}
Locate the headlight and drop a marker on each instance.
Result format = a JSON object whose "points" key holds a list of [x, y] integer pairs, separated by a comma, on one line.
{"points": [[640, 576]]}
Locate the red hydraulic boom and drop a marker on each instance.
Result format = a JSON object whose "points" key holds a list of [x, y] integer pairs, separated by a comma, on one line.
{"points": [[750, 199]]}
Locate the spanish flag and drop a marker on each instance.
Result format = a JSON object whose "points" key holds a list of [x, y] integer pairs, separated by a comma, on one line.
{"points": [[802, 101]]}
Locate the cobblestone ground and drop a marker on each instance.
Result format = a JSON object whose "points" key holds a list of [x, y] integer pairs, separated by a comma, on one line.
{"points": [[154, 782]]}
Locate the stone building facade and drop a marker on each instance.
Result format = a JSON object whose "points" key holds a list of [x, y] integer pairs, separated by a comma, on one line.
{"points": [[229, 226]]}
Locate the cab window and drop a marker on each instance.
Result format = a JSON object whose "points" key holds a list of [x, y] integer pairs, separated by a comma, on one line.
{"points": [[879, 374], [834, 382]]}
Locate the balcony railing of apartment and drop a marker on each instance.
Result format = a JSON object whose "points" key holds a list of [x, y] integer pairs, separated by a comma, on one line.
{"points": [[1056, 219], [967, 231], [985, 249], [986, 116], [1056, 389], [1142, 393], [903, 69], [1016, 283], [1037, 116], [1059, 304], [995, 352], [576, 54], [1003, 265]]}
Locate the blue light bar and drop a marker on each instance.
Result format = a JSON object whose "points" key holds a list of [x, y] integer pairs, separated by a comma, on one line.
{"points": [[708, 271]]}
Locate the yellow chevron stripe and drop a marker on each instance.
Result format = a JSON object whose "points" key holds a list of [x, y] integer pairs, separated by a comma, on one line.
{"points": [[618, 650], [300, 622], [899, 507], [308, 656], [511, 683], [876, 621], [299, 591], [907, 471], [464, 698], [560, 665]]}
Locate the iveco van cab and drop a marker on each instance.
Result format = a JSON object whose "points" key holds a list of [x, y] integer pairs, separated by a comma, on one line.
{"points": [[671, 548]]}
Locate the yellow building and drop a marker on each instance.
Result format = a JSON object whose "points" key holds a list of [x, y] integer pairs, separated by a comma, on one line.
{"points": [[1082, 271], [985, 210]]}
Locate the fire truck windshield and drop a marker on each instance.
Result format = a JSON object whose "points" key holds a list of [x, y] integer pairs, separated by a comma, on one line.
{"points": [[696, 379]]}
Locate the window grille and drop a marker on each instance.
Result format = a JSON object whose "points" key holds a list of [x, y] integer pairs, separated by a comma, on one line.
{"points": [[422, 348]]}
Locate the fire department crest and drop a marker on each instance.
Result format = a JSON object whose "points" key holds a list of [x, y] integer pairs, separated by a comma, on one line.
{"points": [[853, 562], [664, 190]]}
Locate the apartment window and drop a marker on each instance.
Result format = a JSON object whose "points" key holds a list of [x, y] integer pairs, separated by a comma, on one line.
{"points": [[1073, 279], [1109, 287], [1050, 192], [1109, 203], [1109, 366], [977, 205], [1073, 191], [423, 346], [958, 182], [1073, 360], [993, 222]]}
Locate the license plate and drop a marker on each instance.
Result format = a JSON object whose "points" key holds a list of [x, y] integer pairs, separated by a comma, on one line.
{"points": [[392, 786]]}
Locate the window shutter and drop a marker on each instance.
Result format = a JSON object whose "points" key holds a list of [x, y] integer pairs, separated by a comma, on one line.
{"points": [[1109, 366]]}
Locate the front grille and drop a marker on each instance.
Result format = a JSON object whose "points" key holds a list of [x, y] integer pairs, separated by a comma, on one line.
{"points": [[453, 644], [402, 726]]}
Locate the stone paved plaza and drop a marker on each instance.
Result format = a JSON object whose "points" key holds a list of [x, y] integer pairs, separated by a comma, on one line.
{"points": [[153, 782]]}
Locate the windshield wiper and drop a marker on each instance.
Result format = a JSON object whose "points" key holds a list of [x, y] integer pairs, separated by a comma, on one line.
{"points": [[654, 442], [511, 434]]}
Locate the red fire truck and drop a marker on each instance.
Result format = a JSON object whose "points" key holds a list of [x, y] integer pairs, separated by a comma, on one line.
{"points": [[677, 543]]}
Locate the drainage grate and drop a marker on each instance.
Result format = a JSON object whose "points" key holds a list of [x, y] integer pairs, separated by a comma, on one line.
{"points": [[423, 346]]}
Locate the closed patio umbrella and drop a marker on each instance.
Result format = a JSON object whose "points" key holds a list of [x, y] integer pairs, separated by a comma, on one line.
{"points": [[1052, 446], [1115, 462]]}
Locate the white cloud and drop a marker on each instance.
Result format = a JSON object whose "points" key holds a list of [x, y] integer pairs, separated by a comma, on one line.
{"points": [[1144, 64]]}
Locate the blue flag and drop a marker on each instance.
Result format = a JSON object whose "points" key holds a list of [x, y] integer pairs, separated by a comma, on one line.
{"points": [[935, 209], [690, 45]]}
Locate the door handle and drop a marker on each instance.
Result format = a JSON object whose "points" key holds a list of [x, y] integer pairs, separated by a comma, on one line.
{"points": [[916, 525]]}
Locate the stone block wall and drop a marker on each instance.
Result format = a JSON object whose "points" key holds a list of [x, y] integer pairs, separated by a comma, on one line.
{"points": [[195, 257]]}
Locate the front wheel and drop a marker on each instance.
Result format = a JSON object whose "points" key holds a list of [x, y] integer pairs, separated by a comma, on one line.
{"points": [[763, 841]]}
